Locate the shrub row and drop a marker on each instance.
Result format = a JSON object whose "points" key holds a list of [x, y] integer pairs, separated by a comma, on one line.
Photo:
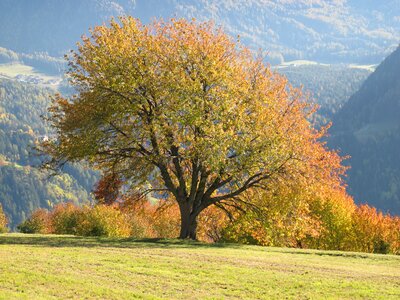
{"points": [[362, 229], [330, 227], [101, 220]]}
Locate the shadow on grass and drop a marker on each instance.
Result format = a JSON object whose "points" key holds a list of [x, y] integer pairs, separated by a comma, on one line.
{"points": [[132, 243], [88, 242]]}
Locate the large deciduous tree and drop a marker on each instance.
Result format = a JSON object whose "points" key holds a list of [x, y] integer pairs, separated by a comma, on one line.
{"points": [[184, 109]]}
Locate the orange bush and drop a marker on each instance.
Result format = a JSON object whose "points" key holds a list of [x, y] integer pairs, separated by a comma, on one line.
{"points": [[333, 209], [3, 221], [284, 219], [394, 237], [212, 222], [375, 232], [38, 222], [64, 218], [102, 220], [166, 220]]}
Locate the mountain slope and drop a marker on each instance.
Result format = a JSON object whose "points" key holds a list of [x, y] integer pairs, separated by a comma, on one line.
{"points": [[322, 30], [368, 129], [330, 86], [23, 187]]}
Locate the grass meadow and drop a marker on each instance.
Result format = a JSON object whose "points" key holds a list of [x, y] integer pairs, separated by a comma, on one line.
{"points": [[53, 267]]}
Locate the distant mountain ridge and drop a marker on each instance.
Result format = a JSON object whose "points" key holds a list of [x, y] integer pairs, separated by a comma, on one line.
{"points": [[359, 31], [368, 129]]}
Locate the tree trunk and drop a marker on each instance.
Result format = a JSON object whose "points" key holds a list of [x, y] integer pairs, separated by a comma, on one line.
{"points": [[193, 228], [188, 222]]}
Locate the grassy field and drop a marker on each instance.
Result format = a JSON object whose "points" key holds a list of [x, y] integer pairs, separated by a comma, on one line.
{"points": [[50, 267]]}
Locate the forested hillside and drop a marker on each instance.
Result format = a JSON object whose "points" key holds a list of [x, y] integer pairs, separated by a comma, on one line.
{"points": [[22, 186], [329, 31], [368, 129], [330, 86]]}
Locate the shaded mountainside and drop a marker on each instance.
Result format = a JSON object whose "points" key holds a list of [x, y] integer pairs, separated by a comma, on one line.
{"points": [[368, 129], [334, 31], [23, 187]]}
